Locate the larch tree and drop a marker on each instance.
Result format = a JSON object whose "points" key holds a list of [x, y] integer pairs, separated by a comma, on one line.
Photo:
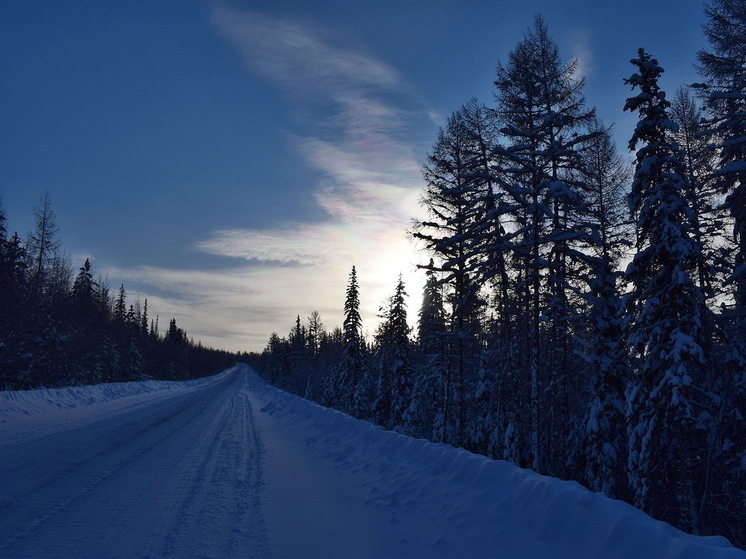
{"points": [[450, 194], [723, 67], [42, 246], [700, 162], [541, 112]]}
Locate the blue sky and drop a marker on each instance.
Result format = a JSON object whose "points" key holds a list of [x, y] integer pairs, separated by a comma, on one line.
{"points": [[231, 161]]}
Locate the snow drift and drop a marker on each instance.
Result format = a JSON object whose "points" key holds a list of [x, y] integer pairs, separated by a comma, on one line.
{"points": [[471, 506]]}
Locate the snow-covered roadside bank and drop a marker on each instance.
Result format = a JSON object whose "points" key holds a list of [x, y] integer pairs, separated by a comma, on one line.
{"points": [[26, 411], [42, 401], [437, 501]]}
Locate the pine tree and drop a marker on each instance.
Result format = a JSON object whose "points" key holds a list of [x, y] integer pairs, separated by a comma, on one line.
{"points": [[667, 309]]}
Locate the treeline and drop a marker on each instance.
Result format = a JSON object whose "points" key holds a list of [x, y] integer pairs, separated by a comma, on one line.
{"points": [[581, 317], [59, 327]]}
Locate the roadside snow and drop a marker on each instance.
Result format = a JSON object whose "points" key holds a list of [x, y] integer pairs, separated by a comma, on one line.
{"points": [[46, 401], [45, 410], [432, 500]]}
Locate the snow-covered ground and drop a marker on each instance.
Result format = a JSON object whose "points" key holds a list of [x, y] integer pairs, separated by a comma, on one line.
{"points": [[230, 467]]}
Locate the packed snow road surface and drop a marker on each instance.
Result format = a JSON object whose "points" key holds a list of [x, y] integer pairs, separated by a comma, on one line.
{"points": [[229, 467], [174, 475]]}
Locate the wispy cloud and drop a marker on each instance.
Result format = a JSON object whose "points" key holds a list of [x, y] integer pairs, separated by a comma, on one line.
{"points": [[370, 188], [290, 54]]}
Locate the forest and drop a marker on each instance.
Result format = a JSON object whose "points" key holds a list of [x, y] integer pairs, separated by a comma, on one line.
{"points": [[61, 327], [583, 316]]}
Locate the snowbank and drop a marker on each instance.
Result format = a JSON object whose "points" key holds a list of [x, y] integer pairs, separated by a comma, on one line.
{"points": [[477, 507], [22, 411]]}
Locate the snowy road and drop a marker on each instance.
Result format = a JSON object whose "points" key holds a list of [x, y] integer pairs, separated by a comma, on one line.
{"points": [[178, 476], [229, 467]]}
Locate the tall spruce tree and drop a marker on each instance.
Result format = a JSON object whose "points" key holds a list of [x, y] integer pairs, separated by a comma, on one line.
{"points": [[120, 308], [394, 390], [667, 312], [346, 388], [84, 288]]}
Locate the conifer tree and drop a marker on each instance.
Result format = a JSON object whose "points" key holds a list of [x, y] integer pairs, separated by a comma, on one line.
{"points": [[315, 332], [430, 403], [120, 308], [605, 438], [667, 309], [454, 195], [346, 389], [483, 433], [394, 391], [724, 93], [299, 361], [144, 318], [85, 290], [542, 114], [699, 164], [723, 66], [42, 245], [14, 292], [277, 353]]}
